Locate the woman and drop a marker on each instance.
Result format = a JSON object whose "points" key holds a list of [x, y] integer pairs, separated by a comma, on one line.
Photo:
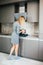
{"points": [[15, 36]]}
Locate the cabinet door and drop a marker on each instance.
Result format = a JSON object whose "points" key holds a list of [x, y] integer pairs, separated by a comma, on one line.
{"points": [[10, 1], [0, 43], [5, 44], [21, 47], [30, 49], [32, 10], [40, 50], [7, 13]]}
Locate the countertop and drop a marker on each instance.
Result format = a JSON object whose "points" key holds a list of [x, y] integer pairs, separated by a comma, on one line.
{"points": [[27, 38]]}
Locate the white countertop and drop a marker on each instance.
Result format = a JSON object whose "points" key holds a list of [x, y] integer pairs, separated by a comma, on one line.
{"points": [[7, 36], [27, 38]]}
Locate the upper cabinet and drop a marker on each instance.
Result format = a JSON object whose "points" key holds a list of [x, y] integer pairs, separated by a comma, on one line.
{"points": [[33, 11], [2, 2], [7, 13]]}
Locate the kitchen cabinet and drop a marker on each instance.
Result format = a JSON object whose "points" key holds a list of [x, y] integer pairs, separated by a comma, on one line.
{"points": [[10, 1], [7, 13], [21, 48], [33, 11], [29, 48], [5, 44], [0, 44], [41, 50]]}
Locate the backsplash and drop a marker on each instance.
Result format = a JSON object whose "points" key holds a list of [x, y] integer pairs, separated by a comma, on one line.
{"points": [[6, 29], [30, 28], [36, 27]]}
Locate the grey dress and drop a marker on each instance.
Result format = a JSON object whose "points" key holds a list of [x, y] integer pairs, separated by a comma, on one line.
{"points": [[15, 33]]}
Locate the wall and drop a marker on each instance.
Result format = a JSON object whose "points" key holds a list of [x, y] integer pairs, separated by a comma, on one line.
{"points": [[41, 19]]}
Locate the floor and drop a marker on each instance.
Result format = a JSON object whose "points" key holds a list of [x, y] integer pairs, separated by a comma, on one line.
{"points": [[21, 61]]}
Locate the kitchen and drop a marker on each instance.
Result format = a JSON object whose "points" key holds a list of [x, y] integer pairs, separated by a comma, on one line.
{"points": [[31, 46]]}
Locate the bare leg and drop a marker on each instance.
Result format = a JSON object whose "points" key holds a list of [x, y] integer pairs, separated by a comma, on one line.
{"points": [[16, 49], [12, 49]]}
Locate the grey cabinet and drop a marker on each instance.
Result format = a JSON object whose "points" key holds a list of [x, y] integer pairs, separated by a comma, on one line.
{"points": [[40, 50], [0, 44], [10, 1], [5, 44], [32, 10], [7, 13], [29, 49], [21, 47]]}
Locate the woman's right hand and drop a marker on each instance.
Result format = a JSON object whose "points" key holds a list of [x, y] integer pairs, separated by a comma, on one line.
{"points": [[23, 31]]}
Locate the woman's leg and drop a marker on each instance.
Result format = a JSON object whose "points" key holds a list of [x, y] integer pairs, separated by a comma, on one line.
{"points": [[12, 49], [16, 49]]}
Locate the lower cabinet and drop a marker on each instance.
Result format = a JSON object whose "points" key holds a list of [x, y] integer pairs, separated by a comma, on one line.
{"points": [[41, 50], [0, 44], [29, 48], [5, 44]]}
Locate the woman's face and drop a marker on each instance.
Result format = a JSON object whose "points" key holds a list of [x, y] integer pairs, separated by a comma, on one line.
{"points": [[21, 20]]}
